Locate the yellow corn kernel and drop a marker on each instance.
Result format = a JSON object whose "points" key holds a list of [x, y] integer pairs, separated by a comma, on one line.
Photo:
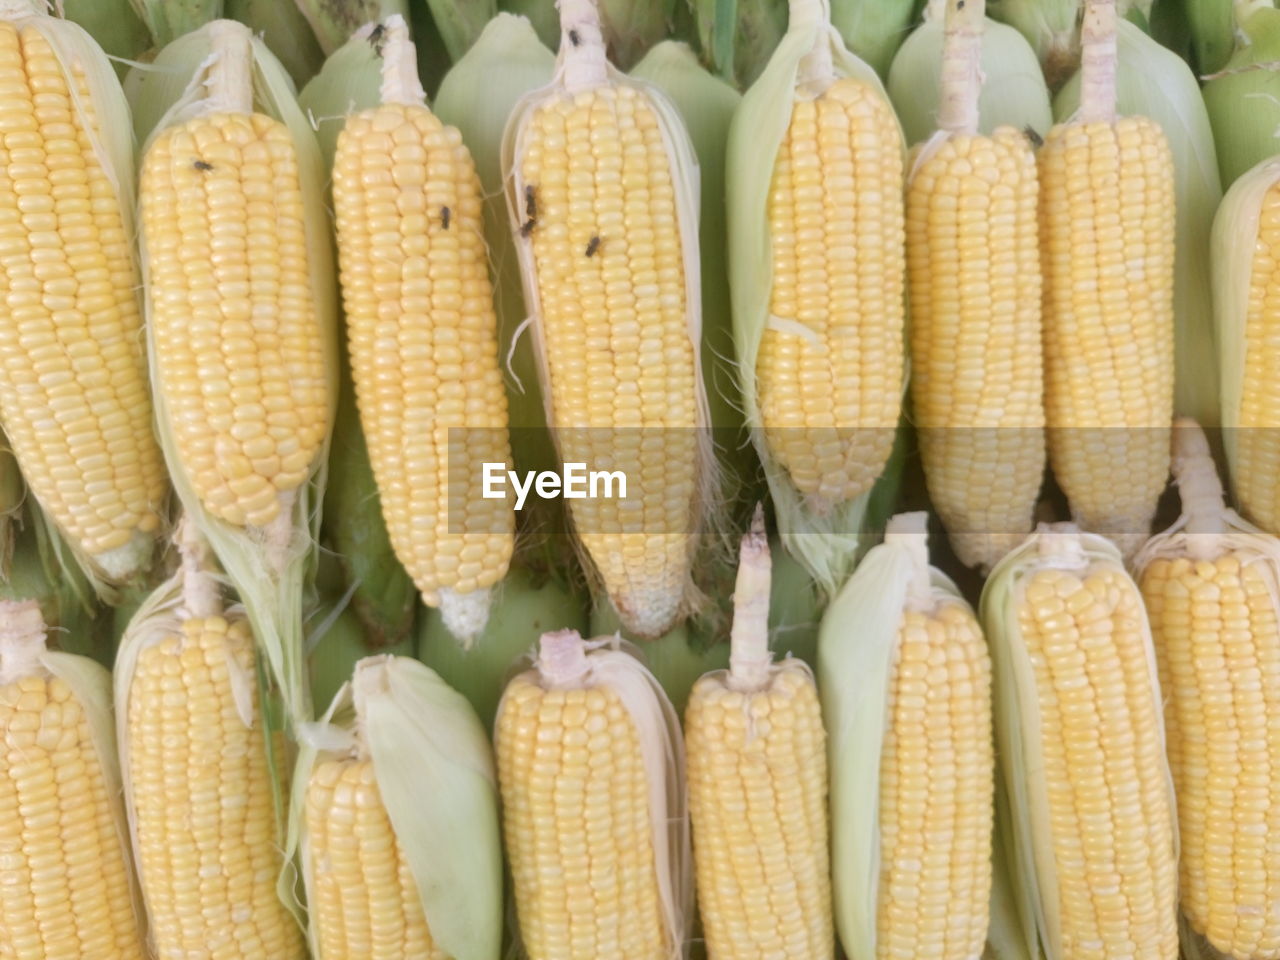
{"points": [[365, 901], [73, 383], [977, 371], [240, 354], [423, 343], [830, 368]]}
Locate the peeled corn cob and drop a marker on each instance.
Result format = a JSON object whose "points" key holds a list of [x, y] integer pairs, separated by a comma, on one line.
{"points": [[197, 775], [602, 192], [401, 860], [73, 388], [66, 885], [757, 771], [1212, 589], [1107, 245], [1081, 741], [974, 271], [590, 764], [906, 694]]}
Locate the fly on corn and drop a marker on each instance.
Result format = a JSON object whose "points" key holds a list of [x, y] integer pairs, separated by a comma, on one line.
{"points": [[199, 787], [1107, 246], [1081, 740], [602, 193], [906, 694], [590, 764], [423, 339], [66, 884], [73, 384], [395, 813], [815, 179], [757, 771], [1212, 589], [974, 267]]}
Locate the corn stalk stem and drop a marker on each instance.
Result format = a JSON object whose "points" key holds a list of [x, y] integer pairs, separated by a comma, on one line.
{"points": [[22, 639], [562, 659], [1098, 62], [230, 79], [1200, 489], [201, 595], [962, 66], [1060, 545], [749, 658], [911, 531], [400, 83], [816, 70], [582, 49]]}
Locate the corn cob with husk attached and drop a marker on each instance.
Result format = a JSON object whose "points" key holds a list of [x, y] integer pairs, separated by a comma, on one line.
{"points": [[591, 769], [757, 770], [602, 192], [815, 169], [400, 860], [973, 269], [1082, 751], [1211, 583], [73, 385], [423, 340], [1246, 292], [905, 681], [66, 890], [199, 785], [1107, 247], [241, 326]]}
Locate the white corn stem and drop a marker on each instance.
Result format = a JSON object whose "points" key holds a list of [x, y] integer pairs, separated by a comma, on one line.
{"points": [[400, 83], [22, 639], [15, 9], [749, 658], [911, 530], [201, 596], [582, 49], [562, 659], [230, 79], [816, 70], [1060, 546], [962, 67], [1098, 62], [1200, 489]]}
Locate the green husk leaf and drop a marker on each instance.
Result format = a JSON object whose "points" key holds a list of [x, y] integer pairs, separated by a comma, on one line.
{"points": [[167, 20], [541, 15], [153, 88], [337, 642], [1212, 33], [739, 36], [1013, 90], [873, 29], [443, 806], [460, 22], [1153, 82], [285, 31], [1017, 718], [12, 495], [707, 105], [828, 544], [114, 24], [349, 81], [630, 26], [267, 568], [525, 606], [1052, 27], [1243, 100], [334, 21]]}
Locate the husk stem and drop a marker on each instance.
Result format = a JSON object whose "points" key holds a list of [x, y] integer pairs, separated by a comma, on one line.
{"points": [[400, 83], [749, 658], [333, 21], [1200, 489], [167, 20], [1098, 62], [22, 640], [961, 79]]}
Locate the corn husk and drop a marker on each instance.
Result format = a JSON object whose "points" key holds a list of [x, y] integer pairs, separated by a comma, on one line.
{"points": [[739, 36], [284, 30], [526, 605], [857, 649], [167, 20], [443, 806], [1156, 83], [12, 494], [268, 568], [566, 662], [1243, 98], [873, 30], [1013, 89], [334, 21], [581, 66], [1212, 33], [1052, 27], [336, 643], [827, 543], [1017, 720], [114, 24], [350, 80]]}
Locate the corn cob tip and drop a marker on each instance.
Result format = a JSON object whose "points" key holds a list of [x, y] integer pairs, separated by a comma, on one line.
{"points": [[749, 657], [465, 614]]}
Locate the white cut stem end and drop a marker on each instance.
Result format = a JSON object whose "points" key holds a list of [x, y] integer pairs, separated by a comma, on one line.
{"points": [[1200, 489], [583, 56], [230, 79], [1060, 545], [1098, 62], [22, 640], [465, 615], [201, 595], [562, 659], [911, 531], [961, 79], [400, 83], [749, 659]]}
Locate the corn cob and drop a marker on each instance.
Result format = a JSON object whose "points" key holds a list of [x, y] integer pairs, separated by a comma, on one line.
{"points": [[590, 765], [974, 275], [1081, 739], [401, 860], [1107, 219], [601, 191], [197, 775], [817, 269], [1246, 239], [73, 389], [757, 772], [1211, 585], [423, 340], [906, 695], [66, 890]]}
